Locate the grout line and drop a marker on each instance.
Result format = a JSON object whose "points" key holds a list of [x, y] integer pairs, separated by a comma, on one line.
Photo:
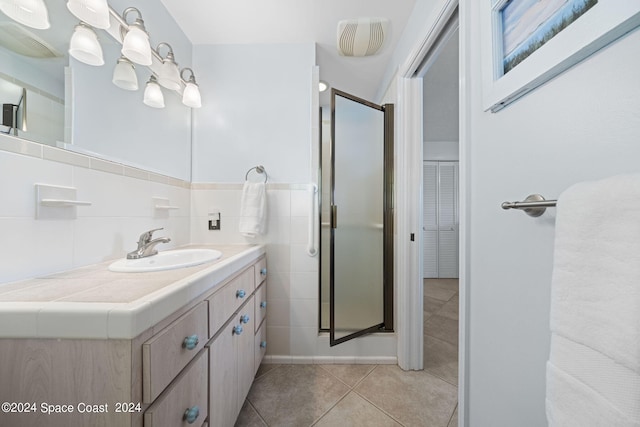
{"points": [[333, 406], [258, 413], [451, 417]]}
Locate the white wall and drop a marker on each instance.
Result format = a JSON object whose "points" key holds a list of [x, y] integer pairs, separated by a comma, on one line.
{"points": [[580, 126], [257, 110]]}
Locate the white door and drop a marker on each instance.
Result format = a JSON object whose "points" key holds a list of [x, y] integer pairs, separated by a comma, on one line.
{"points": [[440, 206]]}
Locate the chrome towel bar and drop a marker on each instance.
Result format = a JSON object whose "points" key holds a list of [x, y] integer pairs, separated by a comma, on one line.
{"points": [[534, 205]]}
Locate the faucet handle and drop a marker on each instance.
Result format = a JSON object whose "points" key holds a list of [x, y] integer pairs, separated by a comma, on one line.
{"points": [[146, 236]]}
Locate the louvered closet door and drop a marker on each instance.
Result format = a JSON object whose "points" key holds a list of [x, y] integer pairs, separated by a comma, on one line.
{"points": [[448, 220], [430, 224], [440, 204]]}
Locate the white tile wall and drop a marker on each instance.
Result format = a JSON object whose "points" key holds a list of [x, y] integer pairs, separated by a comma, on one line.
{"points": [[122, 208]]}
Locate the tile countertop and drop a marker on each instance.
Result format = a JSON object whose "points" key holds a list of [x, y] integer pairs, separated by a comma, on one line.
{"points": [[95, 303]]}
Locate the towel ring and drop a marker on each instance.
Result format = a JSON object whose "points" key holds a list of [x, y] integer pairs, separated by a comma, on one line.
{"points": [[260, 169]]}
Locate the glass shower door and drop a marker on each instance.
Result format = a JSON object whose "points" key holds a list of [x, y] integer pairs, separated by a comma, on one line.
{"points": [[361, 242]]}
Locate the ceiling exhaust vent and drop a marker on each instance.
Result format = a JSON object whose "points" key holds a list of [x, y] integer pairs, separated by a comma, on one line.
{"points": [[22, 41], [361, 36]]}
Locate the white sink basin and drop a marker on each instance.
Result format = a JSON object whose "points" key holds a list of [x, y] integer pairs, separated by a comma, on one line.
{"points": [[166, 260]]}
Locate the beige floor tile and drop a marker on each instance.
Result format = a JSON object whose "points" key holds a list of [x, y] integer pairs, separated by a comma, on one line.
{"points": [[249, 417], [442, 289], [349, 374], [450, 308], [265, 368], [431, 306], [443, 328], [441, 359], [295, 395], [354, 411], [414, 398]]}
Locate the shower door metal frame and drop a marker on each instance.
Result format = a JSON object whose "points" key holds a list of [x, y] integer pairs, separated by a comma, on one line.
{"points": [[388, 211]]}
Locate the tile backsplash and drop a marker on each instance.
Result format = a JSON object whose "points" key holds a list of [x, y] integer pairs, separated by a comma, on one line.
{"points": [[122, 208]]}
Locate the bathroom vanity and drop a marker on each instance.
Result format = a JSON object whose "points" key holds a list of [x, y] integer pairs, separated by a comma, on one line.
{"points": [[90, 347]]}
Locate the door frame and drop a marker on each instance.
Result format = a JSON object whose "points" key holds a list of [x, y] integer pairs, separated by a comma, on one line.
{"points": [[409, 198]]}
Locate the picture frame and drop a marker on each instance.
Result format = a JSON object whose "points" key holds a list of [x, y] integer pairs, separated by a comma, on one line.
{"points": [[594, 28]]}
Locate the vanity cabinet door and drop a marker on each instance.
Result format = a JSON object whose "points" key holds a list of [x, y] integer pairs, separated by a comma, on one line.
{"points": [[246, 354], [223, 389], [259, 346], [185, 401], [231, 367]]}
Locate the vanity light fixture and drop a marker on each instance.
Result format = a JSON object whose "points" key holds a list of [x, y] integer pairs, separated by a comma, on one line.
{"points": [[191, 95], [153, 94], [84, 45], [124, 75], [135, 45], [169, 75], [93, 12], [32, 13], [322, 86]]}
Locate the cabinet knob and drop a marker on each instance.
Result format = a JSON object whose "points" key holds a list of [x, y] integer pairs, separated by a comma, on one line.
{"points": [[263, 344], [244, 318], [240, 293], [237, 330], [263, 271], [190, 342], [263, 304], [191, 414]]}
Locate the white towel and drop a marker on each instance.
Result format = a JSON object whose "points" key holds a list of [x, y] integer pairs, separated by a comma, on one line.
{"points": [[595, 305], [253, 209]]}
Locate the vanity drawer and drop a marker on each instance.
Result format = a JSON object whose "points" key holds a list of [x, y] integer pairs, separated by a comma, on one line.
{"points": [[260, 346], [261, 305], [261, 271], [226, 301], [170, 350], [188, 393]]}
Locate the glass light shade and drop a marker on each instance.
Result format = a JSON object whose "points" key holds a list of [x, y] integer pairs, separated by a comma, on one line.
{"points": [[84, 46], [153, 94], [124, 75], [32, 13], [169, 75], [136, 45], [93, 12], [191, 96], [322, 86]]}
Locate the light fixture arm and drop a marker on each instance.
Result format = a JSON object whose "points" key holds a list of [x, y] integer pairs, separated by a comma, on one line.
{"points": [[138, 20], [169, 54], [192, 79]]}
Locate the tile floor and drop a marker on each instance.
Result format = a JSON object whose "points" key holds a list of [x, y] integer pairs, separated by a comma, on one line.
{"points": [[368, 395]]}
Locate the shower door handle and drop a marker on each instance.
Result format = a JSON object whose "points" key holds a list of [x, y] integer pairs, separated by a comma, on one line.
{"points": [[334, 216]]}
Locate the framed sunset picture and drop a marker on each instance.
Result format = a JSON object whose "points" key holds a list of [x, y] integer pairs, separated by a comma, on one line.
{"points": [[527, 42]]}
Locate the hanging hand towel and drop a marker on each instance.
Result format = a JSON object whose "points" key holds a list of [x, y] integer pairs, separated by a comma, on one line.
{"points": [[253, 209], [595, 305]]}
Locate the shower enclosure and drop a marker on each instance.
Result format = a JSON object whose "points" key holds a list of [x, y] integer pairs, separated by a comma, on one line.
{"points": [[356, 273]]}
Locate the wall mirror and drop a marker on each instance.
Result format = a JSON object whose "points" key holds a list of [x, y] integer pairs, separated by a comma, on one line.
{"points": [[56, 100]]}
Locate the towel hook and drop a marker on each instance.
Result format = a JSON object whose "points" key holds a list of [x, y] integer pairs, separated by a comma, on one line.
{"points": [[260, 169]]}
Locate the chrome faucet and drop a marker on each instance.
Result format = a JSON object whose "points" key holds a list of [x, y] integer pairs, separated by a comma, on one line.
{"points": [[146, 246]]}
